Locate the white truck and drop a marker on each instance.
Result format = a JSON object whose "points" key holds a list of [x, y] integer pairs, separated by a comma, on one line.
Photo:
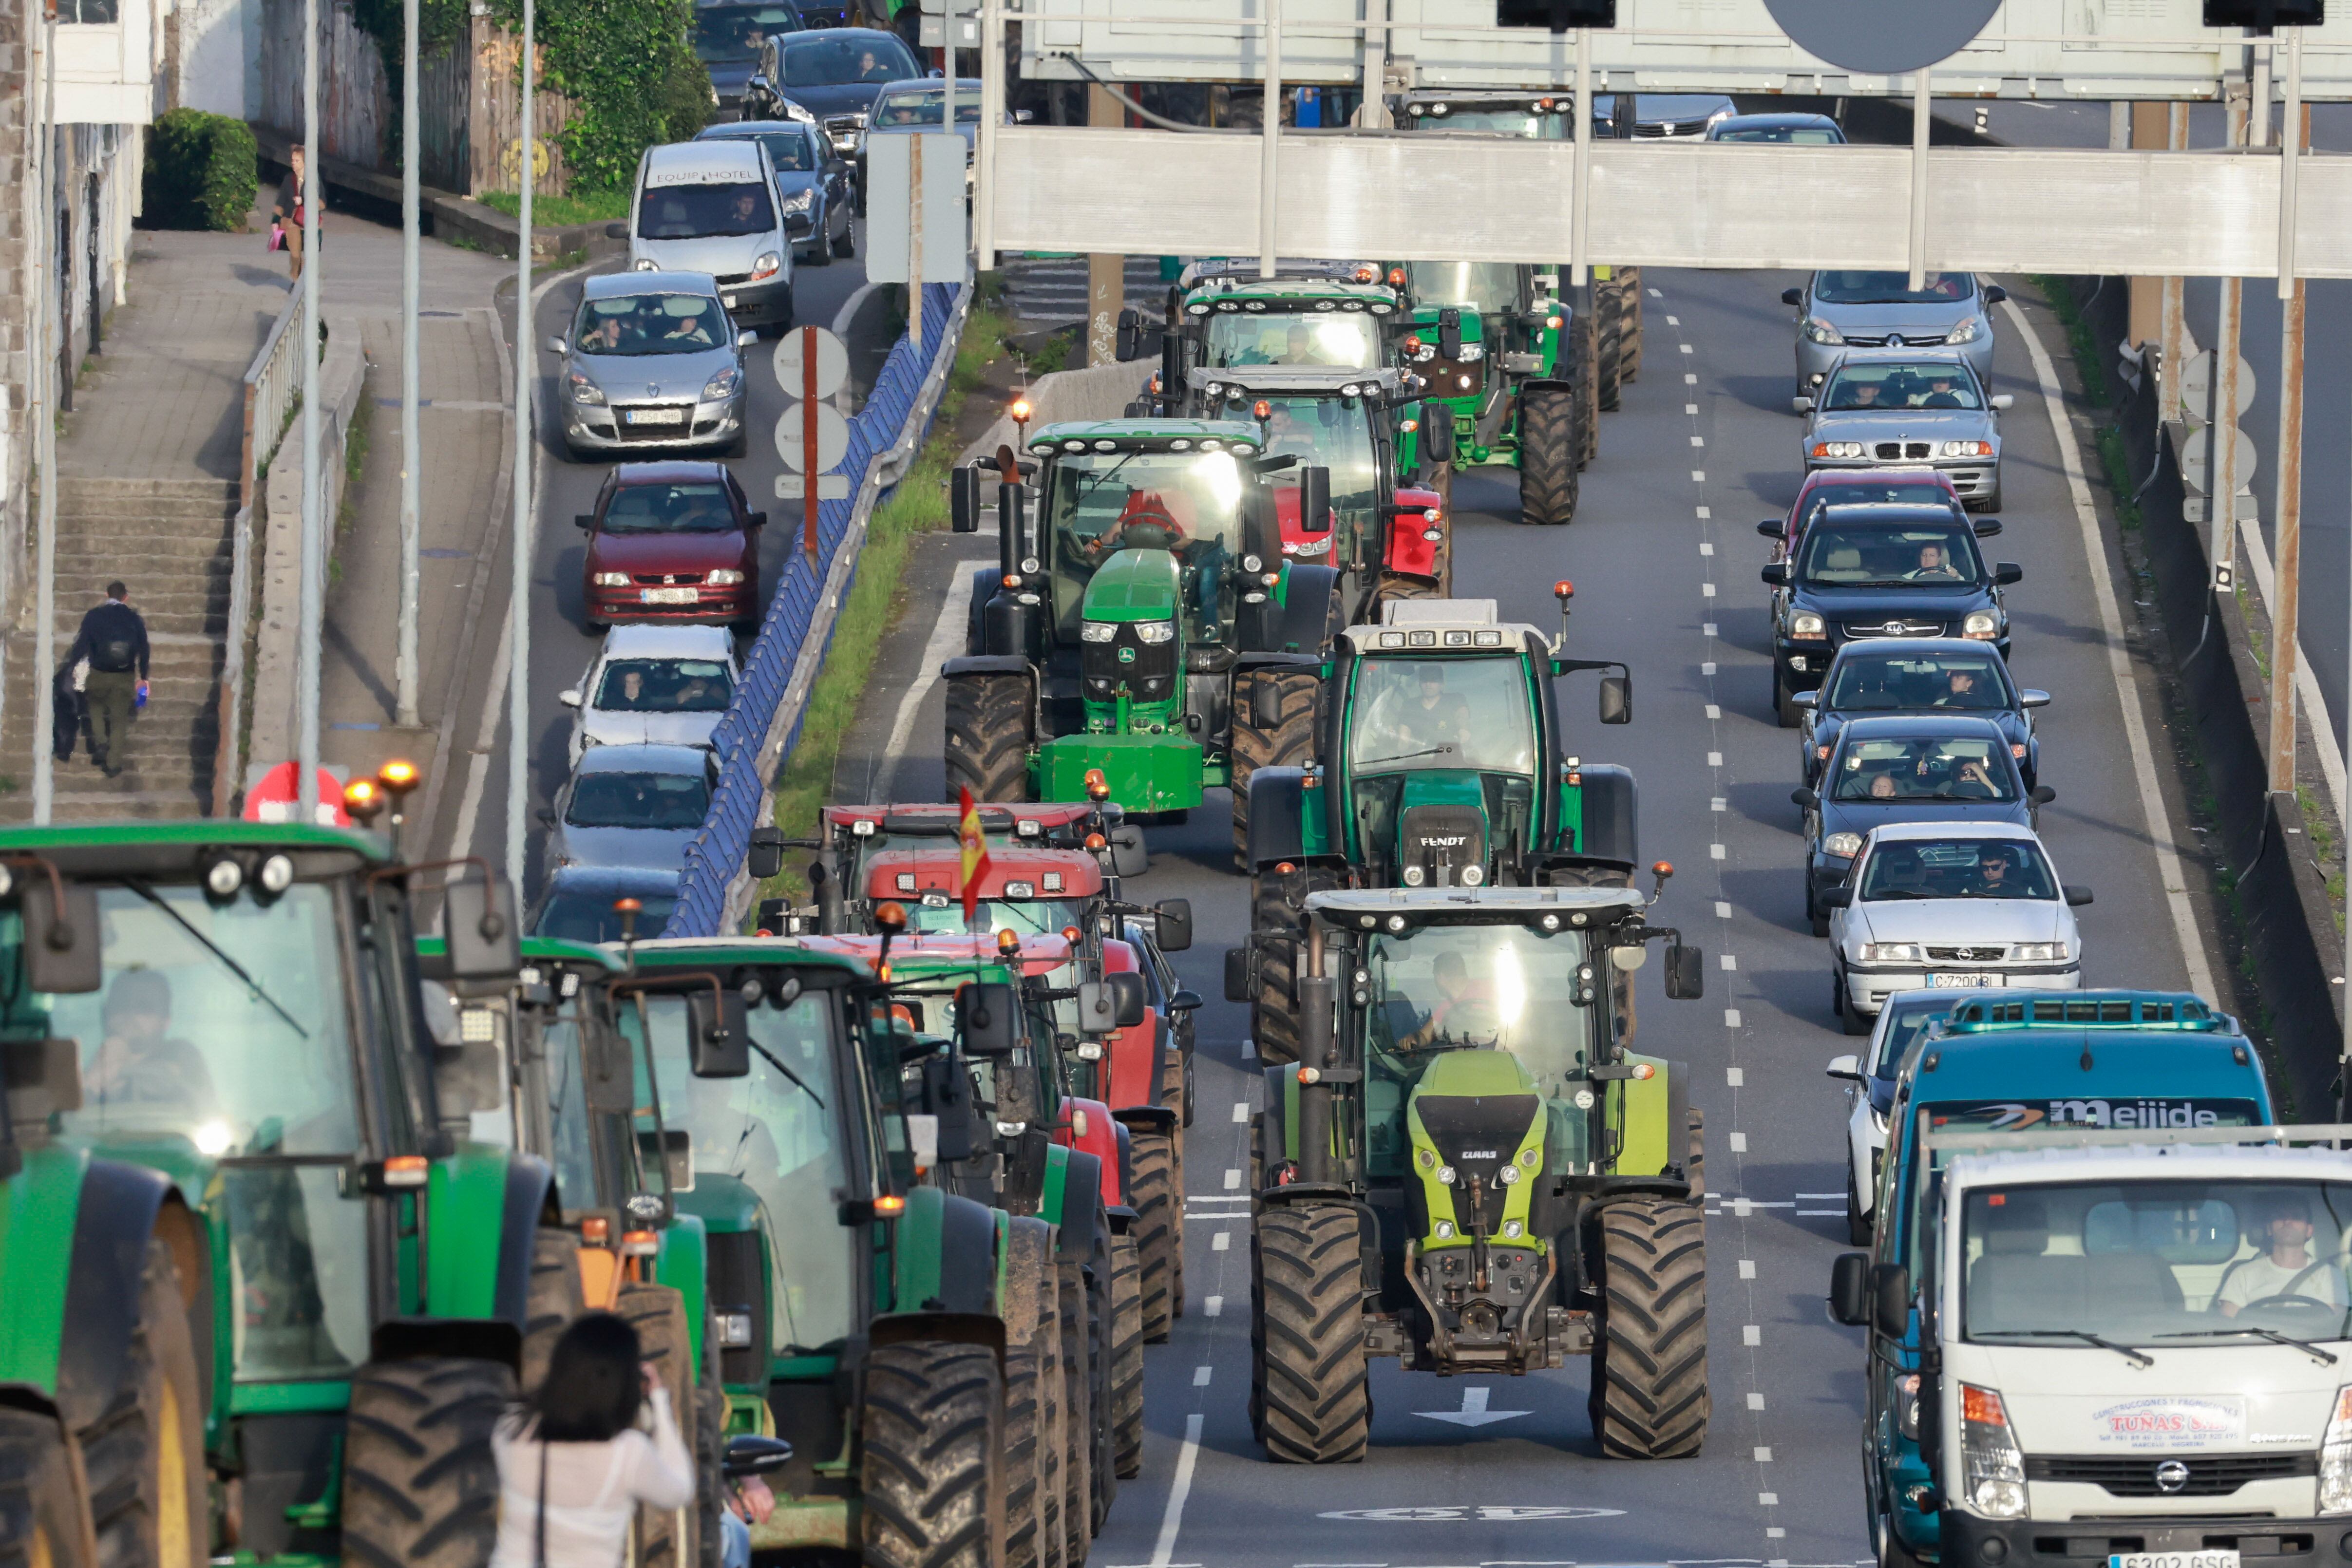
{"points": [[2136, 1350]]}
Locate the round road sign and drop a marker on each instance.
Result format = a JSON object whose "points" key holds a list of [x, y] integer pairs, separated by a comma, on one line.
{"points": [[832, 439], [2197, 387], [1886, 37], [2197, 458], [792, 351]]}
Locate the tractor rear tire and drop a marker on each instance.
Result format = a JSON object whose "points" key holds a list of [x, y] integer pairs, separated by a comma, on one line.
{"points": [[988, 736], [1102, 1336], [1077, 1415], [1158, 1196], [1649, 1398], [1125, 1358], [933, 1483], [1583, 375], [420, 1483], [1031, 1410], [1695, 1166], [1276, 901], [41, 1519], [1608, 345], [1629, 355], [669, 1538], [556, 1297], [1390, 589], [144, 1459], [1289, 743], [1548, 458], [1307, 1301]]}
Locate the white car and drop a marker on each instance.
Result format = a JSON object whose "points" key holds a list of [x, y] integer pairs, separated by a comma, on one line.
{"points": [[1940, 905], [653, 684], [1870, 1092]]}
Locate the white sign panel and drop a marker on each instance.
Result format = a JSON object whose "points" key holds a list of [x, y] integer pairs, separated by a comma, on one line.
{"points": [[895, 227]]}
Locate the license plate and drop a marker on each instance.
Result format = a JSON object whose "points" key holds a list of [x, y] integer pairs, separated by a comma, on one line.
{"points": [[655, 415], [2173, 1559], [730, 302], [1961, 982], [670, 595]]}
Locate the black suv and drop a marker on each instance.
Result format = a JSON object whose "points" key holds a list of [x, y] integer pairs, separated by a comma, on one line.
{"points": [[1881, 570]]}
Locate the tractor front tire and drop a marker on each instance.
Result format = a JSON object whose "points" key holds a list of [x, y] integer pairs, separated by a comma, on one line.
{"points": [[1125, 1358], [420, 1483], [1078, 1414], [1157, 1194], [1308, 1319], [1584, 376], [41, 1519], [989, 720], [1031, 1405], [1629, 353], [1649, 1398], [933, 1479], [1548, 458], [1290, 742], [669, 1538], [554, 1299], [1276, 900], [1608, 345], [144, 1459]]}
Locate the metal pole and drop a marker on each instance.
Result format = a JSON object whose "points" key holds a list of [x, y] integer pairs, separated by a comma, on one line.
{"points": [[2258, 105], [1580, 198], [1920, 121], [2286, 651], [2291, 147], [1374, 115], [518, 590], [1270, 146], [314, 565], [2175, 338], [914, 253], [45, 442], [992, 110], [404, 667], [2222, 514]]}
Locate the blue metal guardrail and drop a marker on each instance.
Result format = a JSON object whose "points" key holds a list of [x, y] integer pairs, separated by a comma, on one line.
{"points": [[717, 852]]}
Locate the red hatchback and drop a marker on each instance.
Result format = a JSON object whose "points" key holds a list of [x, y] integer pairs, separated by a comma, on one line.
{"points": [[672, 541], [1854, 487]]}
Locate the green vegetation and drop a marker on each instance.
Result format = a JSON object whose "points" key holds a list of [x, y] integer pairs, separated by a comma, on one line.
{"points": [[2099, 391], [199, 173], [561, 212], [630, 73], [440, 23]]}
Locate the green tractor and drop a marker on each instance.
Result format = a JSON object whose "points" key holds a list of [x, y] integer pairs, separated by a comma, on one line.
{"points": [[1444, 763], [1470, 1169], [266, 1291], [1149, 633], [1224, 314]]}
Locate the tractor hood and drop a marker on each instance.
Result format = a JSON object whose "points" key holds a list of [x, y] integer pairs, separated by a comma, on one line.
{"points": [[1134, 584], [1474, 1115]]}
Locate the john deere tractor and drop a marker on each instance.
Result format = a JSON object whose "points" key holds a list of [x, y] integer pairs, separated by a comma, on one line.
{"points": [[1470, 1169], [1222, 313], [1122, 635], [1444, 763]]}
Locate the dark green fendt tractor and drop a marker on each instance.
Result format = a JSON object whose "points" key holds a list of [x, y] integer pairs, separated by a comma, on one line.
{"points": [[1124, 631], [1471, 1170], [1444, 763], [266, 1293]]}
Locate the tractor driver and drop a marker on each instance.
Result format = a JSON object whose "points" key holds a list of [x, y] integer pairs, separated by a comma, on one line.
{"points": [[1420, 720], [141, 1061], [1463, 1003]]}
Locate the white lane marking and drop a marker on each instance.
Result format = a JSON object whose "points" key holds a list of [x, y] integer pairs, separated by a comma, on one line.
{"points": [[1747, 1268], [1715, 852], [1241, 1110], [1713, 711], [1715, 759], [1474, 1412], [1735, 1076], [1249, 1049], [1706, 629], [1721, 803], [1722, 908], [947, 632], [1705, 515], [1756, 1402], [1768, 1499], [1730, 961], [1200, 1377], [1686, 348], [1839, 1196], [1698, 476], [1699, 441], [1731, 1017], [1739, 1143], [1673, 320], [1839, 1211], [1689, 380], [2126, 684], [1690, 408], [1704, 548], [1179, 1489], [1750, 1334], [1763, 1455], [1654, 293], [1707, 589], [1707, 668], [1233, 1180], [1774, 1532], [1221, 1241], [1213, 1306]]}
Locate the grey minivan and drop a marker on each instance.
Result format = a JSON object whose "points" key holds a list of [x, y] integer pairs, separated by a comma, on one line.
{"points": [[651, 365], [710, 206], [1840, 309]]}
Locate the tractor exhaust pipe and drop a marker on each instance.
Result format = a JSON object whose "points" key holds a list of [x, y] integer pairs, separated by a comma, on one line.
{"points": [[1318, 996]]}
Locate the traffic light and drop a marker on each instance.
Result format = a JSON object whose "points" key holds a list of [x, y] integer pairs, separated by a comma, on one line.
{"points": [[1564, 15], [2263, 15]]}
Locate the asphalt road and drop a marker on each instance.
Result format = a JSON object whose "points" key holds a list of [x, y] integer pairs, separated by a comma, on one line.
{"points": [[1704, 447]]}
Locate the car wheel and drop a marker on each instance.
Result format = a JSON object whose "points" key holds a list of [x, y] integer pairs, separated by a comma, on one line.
{"points": [[820, 252], [1857, 1224], [1815, 915], [846, 246], [1784, 707], [1853, 1018], [595, 628]]}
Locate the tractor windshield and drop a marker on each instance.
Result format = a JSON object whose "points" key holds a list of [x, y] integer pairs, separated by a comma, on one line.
{"points": [[1479, 988], [1486, 287], [1453, 714], [776, 1133], [222, 1033], [1348, 340], [1336, 432], [1027, 917], [1187, 502]]}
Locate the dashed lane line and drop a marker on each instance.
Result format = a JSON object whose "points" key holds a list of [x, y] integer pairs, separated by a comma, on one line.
{"points": [[1172, 1520]]}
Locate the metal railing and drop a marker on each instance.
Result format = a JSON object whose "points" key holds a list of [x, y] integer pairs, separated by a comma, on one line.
{"points": [[272, 384]]}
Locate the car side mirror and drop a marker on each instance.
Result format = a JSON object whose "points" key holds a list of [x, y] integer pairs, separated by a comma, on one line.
{"points": [[766, 857], [1986, 527], [617, 231], [963, 500], [753, 1456], [1836, 898], [1847, 1066], [719, 1042], [746, 339], [1314, 499], [1890, 1293], [2076, 894], [1237, 987], [1850, 1289], [583, 520], [477, 919], [1686, 973], [2005, 572], [1994, 294], [1795, 297], [569, 699], [1130, 344], [1802, 796], [1172, 924], [988, 1018], [1775, 573], [556, 345], [755, 519], [2032, 698], [1449, 332], [2042, 794], [1616, 699], [62, 940], [1801, 403], [2004, 402], [1185, 1001], [1771, 528], [1805, 699]]}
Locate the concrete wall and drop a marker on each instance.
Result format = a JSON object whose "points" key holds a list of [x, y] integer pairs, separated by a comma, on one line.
{"points": [[1102, 393]]}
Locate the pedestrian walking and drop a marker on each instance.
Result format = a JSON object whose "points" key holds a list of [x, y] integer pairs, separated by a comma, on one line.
{"points": [[577, 1456], [114, 639], [288, 213], [66, 723]]}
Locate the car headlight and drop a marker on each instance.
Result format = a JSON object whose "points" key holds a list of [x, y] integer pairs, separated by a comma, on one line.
{"points": [[611, 580], [647, 263], [1471, 354], [766, 265], [584, 390], [1968, 449], [2335, 1459], [1991, 1460], [725, 577], [1891, 952], [1808, 626], [1819, 331], [1982, 624], [1837, 448], [800, 201], [2039, 952], [1098, 631], [723, 385], [1966, 332], [1155, 632], [1841, 846]]}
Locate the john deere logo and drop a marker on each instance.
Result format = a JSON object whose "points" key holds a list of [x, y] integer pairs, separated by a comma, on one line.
{"points": [[1127, 655]]}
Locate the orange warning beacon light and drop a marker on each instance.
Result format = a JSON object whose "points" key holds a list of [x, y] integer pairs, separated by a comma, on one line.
{"points": [[365, 800]]}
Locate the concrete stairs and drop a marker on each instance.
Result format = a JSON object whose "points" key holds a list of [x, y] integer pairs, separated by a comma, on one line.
{"points": [[169, 541]]}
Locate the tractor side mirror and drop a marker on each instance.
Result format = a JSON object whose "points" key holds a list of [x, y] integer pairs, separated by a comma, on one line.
{"points": [[719, 1042], [1129, 857], [1130, 336], [988, 1016], [1616, 699], [1686, 973], [62, 943], [767, 853], [1314, 499], [1775, 575], [1890, 1300], [672, 1147], [479, 920], [1237, 966], [1449, 332], [1172, 920], [1850, 1289], [1128, 1003], [963, 500], [751, 1456], [1437, 432]]}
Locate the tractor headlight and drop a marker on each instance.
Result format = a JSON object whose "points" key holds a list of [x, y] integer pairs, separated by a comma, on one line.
{"points": [[1155, 632], [1425, 1158], [1513, 1231], [1471, 875], [1098, 631], [734, 1330], [1445, 1175], [1528, 1157], [1509, 1175], [1415, 876], [1443, 1229], [1471, 354], [1841, 846]]}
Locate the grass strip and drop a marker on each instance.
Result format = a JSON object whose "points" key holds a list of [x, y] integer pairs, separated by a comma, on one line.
{"points": [[561, 212], [2098, 391]]}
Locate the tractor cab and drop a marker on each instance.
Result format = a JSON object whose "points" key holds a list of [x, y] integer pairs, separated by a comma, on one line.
{"points": [[850, 837], [1337, 314]]}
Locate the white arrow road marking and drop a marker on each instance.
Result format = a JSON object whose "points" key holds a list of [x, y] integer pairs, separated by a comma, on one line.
{"points": [[1474, 1411]]}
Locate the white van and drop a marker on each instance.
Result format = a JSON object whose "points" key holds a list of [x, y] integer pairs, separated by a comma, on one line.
{"points": [[710, 206]]}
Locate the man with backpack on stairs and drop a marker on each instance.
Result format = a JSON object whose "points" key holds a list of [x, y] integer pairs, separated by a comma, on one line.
{"points": [[113, 638]]}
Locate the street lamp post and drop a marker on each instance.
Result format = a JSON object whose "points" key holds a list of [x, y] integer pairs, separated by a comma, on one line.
{"points": [[518, 602]]}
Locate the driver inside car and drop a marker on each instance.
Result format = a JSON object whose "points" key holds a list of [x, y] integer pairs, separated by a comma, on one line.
{"points": [[2288, 1269], [1468, 1003]]}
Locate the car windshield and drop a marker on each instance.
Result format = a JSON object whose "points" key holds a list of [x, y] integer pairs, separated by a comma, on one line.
{"points": [[877, 57], [618, 800], [1897, 385], [2169, 1263], [1906, 1022], [1486, 287], [776, 1131], [1349, 339], [1479, 988], [1873, 683], [650, 324], [1790, 135], [1922, 554], [1530, 123], [222, 1032], [1409, 713], [724, 33], [1891, 289], [589, 916], [675, 508], [1958, 867], [664, 685], [1338, 434], [919, 109], [790, 151], [705, 211], [1886, 772], [1188, 503], [1027, 917]]}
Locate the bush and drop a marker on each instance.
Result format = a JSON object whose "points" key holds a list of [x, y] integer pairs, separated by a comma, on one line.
{"points": [[200, 171], [633, 79]]}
